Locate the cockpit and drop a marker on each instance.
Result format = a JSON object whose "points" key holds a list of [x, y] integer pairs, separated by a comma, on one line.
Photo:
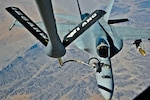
{"points": [[102, 51], [102, 48]]}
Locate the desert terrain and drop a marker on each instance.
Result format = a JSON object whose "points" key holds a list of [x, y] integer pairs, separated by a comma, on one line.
{"points": [[27, 73]]}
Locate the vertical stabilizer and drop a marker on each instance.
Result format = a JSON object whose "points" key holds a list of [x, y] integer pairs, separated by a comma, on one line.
{"points": [[108, 10]]}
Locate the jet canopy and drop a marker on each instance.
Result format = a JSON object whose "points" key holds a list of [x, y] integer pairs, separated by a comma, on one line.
{"points": [[102, 48]]}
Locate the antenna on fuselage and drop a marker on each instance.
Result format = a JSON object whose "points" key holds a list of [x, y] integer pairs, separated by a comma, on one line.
{"points": [[79, 9]]}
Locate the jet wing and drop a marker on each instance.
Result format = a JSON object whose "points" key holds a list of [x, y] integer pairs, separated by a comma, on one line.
{"points": [[127, 33]]}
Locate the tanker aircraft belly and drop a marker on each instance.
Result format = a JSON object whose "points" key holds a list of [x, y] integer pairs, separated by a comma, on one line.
{"points": [[95, 34]]}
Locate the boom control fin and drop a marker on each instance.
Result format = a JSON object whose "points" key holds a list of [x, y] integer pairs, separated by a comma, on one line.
{"points": [[83, 26], [28, 24]]}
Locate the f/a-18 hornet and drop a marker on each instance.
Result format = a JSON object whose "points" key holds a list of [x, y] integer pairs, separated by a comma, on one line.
{"points": [[94, 34]]}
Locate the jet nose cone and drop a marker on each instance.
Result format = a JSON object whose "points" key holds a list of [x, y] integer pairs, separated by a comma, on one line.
{"points": [[107, 95], [105, 81]]}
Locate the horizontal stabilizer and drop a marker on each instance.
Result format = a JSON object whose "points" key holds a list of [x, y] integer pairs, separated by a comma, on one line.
{"points": [[29, 24], [117, 21], [83, 26]]}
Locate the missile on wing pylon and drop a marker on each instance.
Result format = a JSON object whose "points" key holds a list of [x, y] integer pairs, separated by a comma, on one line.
{"points": [[142, 51], [138, 44]]}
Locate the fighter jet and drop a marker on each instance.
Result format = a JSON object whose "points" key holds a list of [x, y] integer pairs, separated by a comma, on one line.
{"points": [[95, 34]]}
